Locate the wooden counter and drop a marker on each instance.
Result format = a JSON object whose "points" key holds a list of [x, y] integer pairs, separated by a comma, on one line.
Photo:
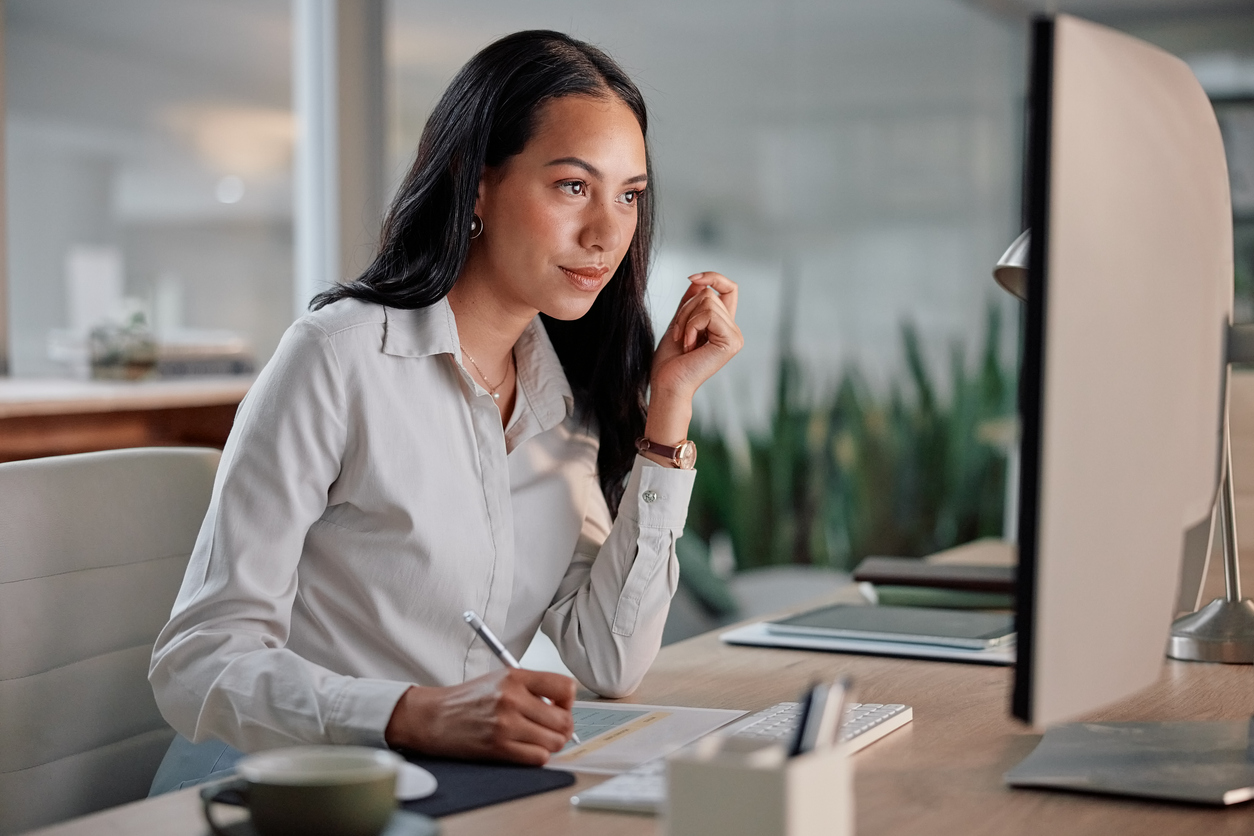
{"points": [[44, 417]]}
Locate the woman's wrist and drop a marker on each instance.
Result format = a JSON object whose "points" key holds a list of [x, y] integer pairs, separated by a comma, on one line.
{"points": [[409, 719], [667, 422]]}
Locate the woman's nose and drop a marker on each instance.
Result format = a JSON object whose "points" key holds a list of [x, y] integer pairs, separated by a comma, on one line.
{"points": [[601, 229]]}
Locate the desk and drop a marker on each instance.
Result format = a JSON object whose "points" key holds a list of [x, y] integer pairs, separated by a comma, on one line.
{"points": [[940, 774]]}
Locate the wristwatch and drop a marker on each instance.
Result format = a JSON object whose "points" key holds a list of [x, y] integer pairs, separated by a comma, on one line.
{"points": [[684, 456]]}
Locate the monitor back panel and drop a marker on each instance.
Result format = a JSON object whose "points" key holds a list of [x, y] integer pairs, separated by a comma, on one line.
{"points": [[1131, 293]]}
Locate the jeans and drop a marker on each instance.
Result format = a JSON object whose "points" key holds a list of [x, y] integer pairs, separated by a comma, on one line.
{"points": [[186, 764]]}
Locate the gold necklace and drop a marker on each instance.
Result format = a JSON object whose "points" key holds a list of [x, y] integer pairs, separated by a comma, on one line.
{"points": [[492, 390]]}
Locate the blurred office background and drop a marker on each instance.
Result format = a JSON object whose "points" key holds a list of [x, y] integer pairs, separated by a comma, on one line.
{"points": [[853, 164], [152, 142]]}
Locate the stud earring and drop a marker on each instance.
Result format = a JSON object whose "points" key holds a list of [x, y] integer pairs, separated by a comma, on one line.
{"points": [[476, 226]]}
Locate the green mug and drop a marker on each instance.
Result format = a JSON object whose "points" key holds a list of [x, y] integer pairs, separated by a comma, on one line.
{"points": [[313, 791]]}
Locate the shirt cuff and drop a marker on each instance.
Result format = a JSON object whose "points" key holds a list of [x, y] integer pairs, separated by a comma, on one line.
{"points": [[363, 710], [657, 496]]}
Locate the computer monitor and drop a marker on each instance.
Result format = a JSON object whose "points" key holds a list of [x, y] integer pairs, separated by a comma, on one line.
{"points": [[1129, 297]]}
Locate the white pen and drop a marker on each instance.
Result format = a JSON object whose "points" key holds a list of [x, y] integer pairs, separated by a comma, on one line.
{"points": [[834, 711], [501, 651]]}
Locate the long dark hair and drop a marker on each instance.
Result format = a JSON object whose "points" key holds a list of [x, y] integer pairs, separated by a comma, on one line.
{"points": [[487, 115]]}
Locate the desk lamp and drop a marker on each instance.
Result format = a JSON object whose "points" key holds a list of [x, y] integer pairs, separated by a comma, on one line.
{"points": [[1223, 630]]}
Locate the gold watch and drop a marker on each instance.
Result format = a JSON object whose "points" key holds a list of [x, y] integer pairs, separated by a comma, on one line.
{"points": [[683, 456]]}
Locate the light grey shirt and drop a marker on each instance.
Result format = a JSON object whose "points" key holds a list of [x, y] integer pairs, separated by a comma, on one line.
{"points": [[367, 496]]}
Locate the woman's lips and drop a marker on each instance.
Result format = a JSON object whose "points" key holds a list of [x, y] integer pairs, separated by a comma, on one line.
{"points": [[586, 278]]}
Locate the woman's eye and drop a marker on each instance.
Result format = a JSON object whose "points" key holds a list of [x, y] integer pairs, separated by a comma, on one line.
{"points": [[631, 197], [573, 187]]}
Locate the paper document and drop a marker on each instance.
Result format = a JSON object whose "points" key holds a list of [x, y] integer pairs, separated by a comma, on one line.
{"points": [[618, 736]]}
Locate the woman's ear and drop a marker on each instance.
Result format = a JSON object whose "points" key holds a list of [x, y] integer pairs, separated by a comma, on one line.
{"points": [[479, 199], [481, 193]]}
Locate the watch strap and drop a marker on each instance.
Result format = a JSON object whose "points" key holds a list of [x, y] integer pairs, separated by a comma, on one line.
{"points": [[673, 454]]}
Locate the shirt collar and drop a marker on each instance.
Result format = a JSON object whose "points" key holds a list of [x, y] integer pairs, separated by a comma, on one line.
{"points": [[424, 332], [541, 377], [420, 332]]}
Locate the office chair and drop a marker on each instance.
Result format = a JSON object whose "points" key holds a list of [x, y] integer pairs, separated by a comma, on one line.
{"points": [[92, 552]]}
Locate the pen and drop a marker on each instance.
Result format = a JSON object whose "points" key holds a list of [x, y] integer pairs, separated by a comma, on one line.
{"points": [[501, 651], [833, 712], [822, 710]]}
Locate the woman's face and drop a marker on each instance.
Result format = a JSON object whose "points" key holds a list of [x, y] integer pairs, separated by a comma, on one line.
{"points": [[558, 217]]}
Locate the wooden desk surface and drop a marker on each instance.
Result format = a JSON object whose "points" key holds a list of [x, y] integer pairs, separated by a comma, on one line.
{"points": [[940, 774]]}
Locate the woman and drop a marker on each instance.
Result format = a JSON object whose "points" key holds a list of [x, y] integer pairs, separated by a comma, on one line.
{"points": [[457, 429]]}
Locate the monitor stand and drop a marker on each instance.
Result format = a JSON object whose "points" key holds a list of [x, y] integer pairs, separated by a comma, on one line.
{"points": [[1223, 630], [1198, 762]]}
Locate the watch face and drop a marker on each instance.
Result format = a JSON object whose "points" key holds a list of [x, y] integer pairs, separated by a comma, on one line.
{"points": [[686, 455]]}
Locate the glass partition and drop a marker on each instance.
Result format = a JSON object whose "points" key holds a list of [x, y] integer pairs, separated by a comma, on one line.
{"points": [[149, 199]]}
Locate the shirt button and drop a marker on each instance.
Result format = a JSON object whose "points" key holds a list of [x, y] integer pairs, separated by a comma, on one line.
{"points": [[649, 496]]}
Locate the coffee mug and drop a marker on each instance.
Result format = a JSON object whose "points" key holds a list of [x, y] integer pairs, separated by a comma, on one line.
{"points": [[313, 791]]}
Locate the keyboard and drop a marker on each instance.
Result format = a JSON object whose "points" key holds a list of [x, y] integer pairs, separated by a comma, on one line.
{"points": [[643, 789]]}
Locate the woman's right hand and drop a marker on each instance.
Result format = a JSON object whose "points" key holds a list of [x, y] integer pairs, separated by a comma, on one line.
{"points": [[500, 716]]}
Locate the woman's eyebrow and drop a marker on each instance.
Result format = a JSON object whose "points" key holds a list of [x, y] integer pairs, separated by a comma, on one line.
{"points": [[578, 163], [591, 169]]}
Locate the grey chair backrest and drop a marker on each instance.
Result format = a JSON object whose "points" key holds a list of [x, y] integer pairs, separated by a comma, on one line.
{"points": [[92, 551]]}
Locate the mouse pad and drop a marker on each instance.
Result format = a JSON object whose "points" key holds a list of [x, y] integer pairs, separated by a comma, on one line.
{"points": [[466, 786]]}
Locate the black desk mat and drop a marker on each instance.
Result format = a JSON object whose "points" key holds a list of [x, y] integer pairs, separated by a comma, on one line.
{"points": [[466, 786]]}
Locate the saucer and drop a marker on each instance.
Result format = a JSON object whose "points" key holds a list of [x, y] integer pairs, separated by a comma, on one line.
{"points": [[413, 782], [403, 823]]}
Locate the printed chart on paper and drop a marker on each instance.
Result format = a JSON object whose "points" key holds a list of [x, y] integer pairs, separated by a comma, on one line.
{"points": [[619, 736], [594, 720]]}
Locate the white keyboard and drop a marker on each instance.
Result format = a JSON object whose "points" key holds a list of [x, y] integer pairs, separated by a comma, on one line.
{"points": [[643, 789]]}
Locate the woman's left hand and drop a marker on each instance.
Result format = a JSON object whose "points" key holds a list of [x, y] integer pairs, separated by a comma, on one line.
{"points": [[701, 338]]}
